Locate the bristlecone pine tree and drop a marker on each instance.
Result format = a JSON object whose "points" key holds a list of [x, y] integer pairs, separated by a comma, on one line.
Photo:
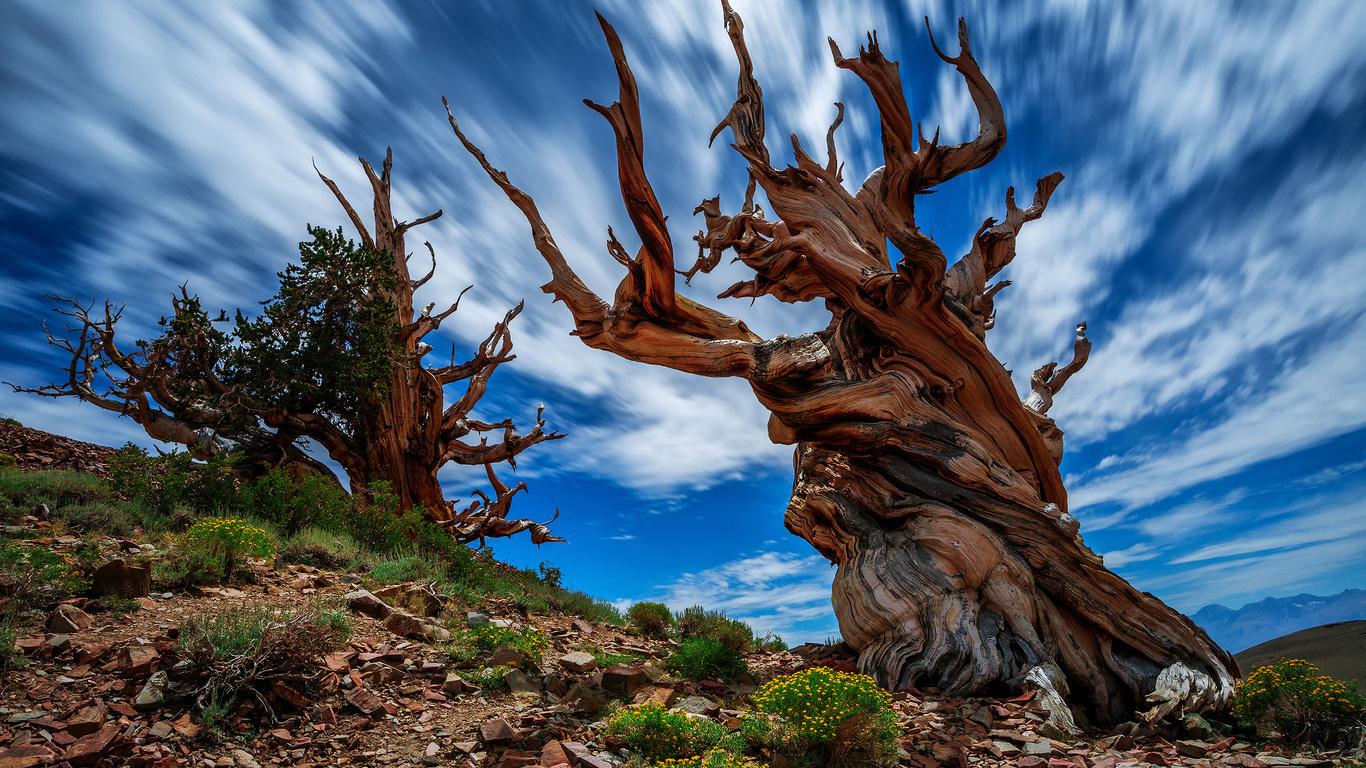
{"points": [[919, 472], [336, 357]]}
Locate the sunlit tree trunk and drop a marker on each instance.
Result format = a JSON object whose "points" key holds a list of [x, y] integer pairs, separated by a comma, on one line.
{"points": [[919, 471]]}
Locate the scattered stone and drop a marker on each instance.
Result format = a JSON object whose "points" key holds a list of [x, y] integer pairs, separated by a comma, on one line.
{"points": [[119, 579], [474, 619], [87, 720], [506, 656], [1192, 748], [68, 619], [1006, 748], [496, 733], [136, 661], [362, 601], [90, 748], [660, 696], [407, 625], [623, 679], [580, 699], [582, 626], [578, 661], [698, 705], [25, 756], [57, 643], [520, 684], [365, 701], [1042, 747], [153, 694]]}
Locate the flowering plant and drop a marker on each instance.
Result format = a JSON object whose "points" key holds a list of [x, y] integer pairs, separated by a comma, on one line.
{"points": [[839, 714], [1294, 698]]}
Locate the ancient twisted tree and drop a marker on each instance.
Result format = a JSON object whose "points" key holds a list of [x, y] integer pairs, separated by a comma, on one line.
{"points": [[919, 472], [337, 357]]}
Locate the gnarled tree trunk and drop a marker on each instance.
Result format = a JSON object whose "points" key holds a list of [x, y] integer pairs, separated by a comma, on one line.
{"points": [[919, 471]]}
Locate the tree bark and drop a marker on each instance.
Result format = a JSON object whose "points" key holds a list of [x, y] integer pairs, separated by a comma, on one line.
{"points": [[918, 470]]}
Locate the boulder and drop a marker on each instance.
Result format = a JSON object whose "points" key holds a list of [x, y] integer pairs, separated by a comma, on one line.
{"points": [[578, 661], [90, 748], [623, 679], [496, 733], [119, 579], [25, 756], [87, 720], [153, 694], [365, 701], [580, 700], [68, 619], [520, 684], [136, 660], [698, 705], [362, 601], [506, 656]]}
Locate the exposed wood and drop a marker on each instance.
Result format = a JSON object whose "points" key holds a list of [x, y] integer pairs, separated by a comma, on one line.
{"points": [[919, 471]]}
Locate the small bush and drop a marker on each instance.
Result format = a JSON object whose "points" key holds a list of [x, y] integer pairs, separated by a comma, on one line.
{"points": [[706, 658], [255, 648], [38, 577], [9, 635], [7, 460], [696, 621], [550, 574], [840, 717], [652, 619], [526, 641], [228, 541], [487, 677], [408, 568], [162, 483], [586, 607], [735, 634], [1292, 697], [320, 549], [290, 504], [658, 733]]}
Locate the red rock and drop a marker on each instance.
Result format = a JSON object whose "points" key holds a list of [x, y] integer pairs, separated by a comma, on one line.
{"points": [[281, 735], [1192, 748], [1156, 758], [362, 601], [368, 703], [583, 626], [1220, 746], [589, 761], [122, 580], [553, 754], [29, 645], [1060, 763], [1031, 761], [91, 652], [25, 756], [336, 662], [91, 748], [623, 679], [578, 661], [68, 619], [496, 732], [123, 708], [287, 692], [87, 720], [136, 660]]}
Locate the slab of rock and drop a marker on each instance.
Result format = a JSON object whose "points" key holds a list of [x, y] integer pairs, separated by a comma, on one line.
{"points": [[406, 625], [153, 694], [698, 705], [664, 697], [365, 701], [553, 754], [136, 660], [25, 756], [362, 601], [1042, 747], [580, 699], [118, 579], [521, 684], [505, 656], [90, 748], [578, 661], [68, 619], [582, 626], [455, 685], [87, 720], [496, 733], [623, 679], [1192, 748]]}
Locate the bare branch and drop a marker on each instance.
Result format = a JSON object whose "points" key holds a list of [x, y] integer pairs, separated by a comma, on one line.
{"points": [[1046, 381]]}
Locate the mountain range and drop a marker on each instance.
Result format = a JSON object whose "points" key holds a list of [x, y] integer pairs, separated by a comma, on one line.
{"points": [[1272, 617]]}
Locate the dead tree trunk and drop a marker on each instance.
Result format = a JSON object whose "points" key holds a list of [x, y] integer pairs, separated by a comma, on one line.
{"points": [[919, 471]]}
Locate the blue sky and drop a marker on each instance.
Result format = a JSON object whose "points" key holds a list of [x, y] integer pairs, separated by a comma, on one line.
{"points": [[1209, 230]]}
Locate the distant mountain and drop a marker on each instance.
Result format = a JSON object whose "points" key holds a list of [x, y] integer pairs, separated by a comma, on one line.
{"points": [[1273, 617], [1336, 649]]}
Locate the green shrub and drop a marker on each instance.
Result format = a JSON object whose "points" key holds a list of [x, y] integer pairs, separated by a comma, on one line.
{"points": [[321, 549], [38, 577], [233, 651], [487, 677], [211, 550], [735, 634], [660, 734], [706, 658], [526, 641], [714, 759], [162, 483], [696, 621], [7, 460], [55, 487], [841, 717], [290, 504], [1292, 697], [9, 635], [586, 607], [652, 619]]}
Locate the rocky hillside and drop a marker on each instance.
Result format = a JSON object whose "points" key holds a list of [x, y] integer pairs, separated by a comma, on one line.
{"points": [[1338, 650]]}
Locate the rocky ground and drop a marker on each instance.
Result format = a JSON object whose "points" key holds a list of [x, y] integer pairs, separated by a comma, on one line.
{"points": [[105, 688]]}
